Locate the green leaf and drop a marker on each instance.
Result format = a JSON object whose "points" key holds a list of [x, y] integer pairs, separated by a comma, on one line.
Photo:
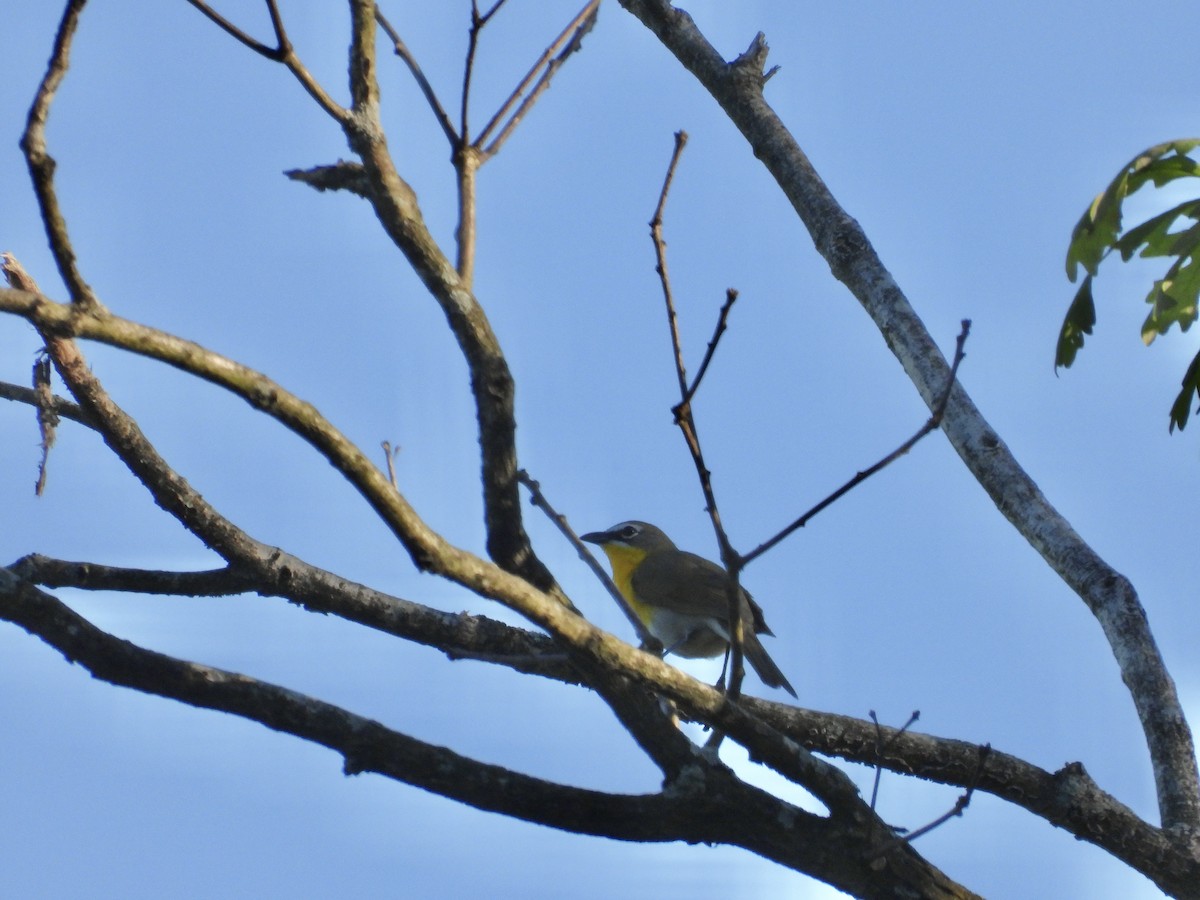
{"points": [[1155, 233], [1158, 320], [1182, 407], [1154, 165], [1186, 242], [1173, 299], [1097, 231], [1081, 317]]}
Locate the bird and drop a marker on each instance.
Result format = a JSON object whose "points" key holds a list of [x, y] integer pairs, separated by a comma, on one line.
{"points": [[682, 598]]}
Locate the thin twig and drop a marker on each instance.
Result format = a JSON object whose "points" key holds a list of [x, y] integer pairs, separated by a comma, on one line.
{"points": [[538, 499], [467, 154], [281, 38], [418, 75], [283, 53], [935, 420], [477, 23], [570, 40], [466, 157], [731, 296], [660, 256], [390, 452], [491, 12], [963, 801], [687, 424], [60, 406], [41, 164], [652, 724], [881, 745], [272, 53]]}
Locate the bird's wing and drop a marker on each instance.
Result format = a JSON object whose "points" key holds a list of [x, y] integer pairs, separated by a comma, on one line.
{"points": [[687, 583], [760, 624]]}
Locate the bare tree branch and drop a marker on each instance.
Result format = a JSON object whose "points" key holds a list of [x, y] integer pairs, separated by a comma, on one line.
{"points": [[466, 161], [687, 425], [41, 164], [418, 75], [49, 572], [41, 396], [1068, 798], [960, 805], [466, 157], [469, 153], [712, 806], [464, 109], [365, 745], [881, 744], [491, 12], [737, 87], [307, 587], [272, 53], [731, 296], [395, 205], [935, 419], [567, 42], [458, 635], [585, 642], [282, 52], [852, 848], [538, 499], [660, 259], [60, 406], [171, 491]]}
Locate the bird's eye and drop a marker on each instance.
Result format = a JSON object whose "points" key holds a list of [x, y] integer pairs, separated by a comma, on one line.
{"points": [[628, 531]]}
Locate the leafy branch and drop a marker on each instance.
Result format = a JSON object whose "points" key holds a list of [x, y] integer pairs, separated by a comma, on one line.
{"points": [[1173, 297]]}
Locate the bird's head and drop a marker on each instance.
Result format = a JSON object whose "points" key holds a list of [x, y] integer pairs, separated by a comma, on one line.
{"points": [[634, 535]]}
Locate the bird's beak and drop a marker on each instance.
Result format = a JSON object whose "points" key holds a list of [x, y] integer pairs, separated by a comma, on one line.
{"points": [[595, 537]]}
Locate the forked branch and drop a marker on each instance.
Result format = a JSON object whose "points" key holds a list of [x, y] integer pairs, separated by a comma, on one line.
{"points": [[687, 425], [282, 52], [569, 40]]}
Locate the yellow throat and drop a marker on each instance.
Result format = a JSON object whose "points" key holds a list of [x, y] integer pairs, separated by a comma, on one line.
{"points": [[624, 560]]}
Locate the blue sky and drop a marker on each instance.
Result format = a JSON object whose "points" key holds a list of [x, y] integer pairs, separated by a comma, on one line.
{"points": [[966, 140]]}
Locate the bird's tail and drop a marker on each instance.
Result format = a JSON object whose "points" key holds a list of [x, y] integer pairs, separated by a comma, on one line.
{"points": [[762, 663]]}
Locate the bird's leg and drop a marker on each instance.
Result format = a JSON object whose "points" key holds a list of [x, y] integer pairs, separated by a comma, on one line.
{"points": [[720, 685]]}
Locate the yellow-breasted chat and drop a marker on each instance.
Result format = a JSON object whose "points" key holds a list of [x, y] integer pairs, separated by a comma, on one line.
{"points": [[682, 598]]}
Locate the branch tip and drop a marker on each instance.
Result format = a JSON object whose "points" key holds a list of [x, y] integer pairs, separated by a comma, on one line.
{"points": [[931, 424]]}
